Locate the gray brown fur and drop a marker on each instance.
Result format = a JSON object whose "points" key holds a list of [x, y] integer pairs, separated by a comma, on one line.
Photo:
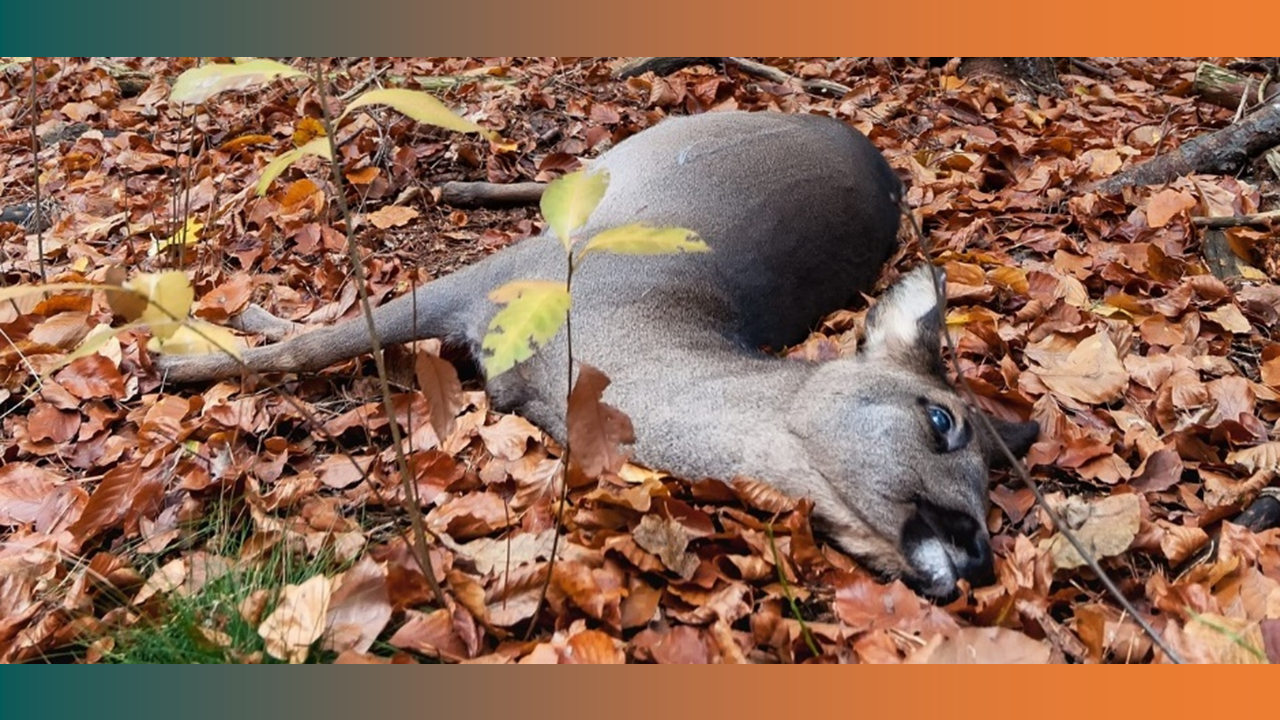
{"points": [[801, 213]]}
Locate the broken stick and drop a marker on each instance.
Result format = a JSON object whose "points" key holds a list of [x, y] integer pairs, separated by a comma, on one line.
{"points": [[486, 194]]}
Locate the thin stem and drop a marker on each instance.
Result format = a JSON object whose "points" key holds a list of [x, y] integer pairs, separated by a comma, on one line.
{"points": [[412, 506], [37, 214], [564, 464]]}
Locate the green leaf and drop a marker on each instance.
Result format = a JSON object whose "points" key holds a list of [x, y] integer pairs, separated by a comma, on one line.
{"points": [[569, 201], [637, 239], [534, 312], [318, 146], [199, 84], [420, 106]]}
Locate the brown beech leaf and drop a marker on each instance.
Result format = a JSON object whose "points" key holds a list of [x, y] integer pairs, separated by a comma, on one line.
{"points": [[298, 619], [983, 645], [1179, 541], [1091, 373], [1229, 318], [94, 376], [431, 634], [391, 216], [762, 495], [1217, 639], [439, 383], [596, 429], [359, 608], [669, 540], [1159, 472], [470, 516], [509, 437], [592, 647], [1259, 457], [47, 422], [491, 555], [1105, 527], [109, 501], [23, 490], [1166, 205], [225, 300]]}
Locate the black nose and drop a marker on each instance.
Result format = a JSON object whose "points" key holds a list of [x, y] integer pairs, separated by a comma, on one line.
{"points": [[975, 563]]}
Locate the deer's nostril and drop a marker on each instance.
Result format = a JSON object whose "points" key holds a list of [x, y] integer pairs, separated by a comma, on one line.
{"points": [[977, 565]]}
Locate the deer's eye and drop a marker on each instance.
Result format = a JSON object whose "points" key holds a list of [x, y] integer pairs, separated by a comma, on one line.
{"points": [[941, 420]]}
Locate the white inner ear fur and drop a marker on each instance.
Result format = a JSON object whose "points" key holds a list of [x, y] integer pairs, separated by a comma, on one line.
{"points": [[894, 323]]}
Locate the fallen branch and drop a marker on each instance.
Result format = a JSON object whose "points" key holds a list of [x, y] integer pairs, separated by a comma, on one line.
{"points": [[1262, 218], [1220, 152], [486, 194], [816, 86], [661, 65], [668, 65], [1230, 89]]}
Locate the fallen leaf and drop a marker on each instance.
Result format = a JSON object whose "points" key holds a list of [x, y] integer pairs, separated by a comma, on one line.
{"points": [[1105, 527], [298, 620], [358, 609], [596, 429], [669, 540], [1166, 205], [392, 216], [982, 645], [1091, 373]]}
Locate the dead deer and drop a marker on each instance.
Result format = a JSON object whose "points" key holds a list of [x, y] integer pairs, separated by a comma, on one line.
{"points": [[801, 213]]}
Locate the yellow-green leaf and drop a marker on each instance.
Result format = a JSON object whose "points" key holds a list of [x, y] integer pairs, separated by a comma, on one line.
{"points": [[569, 201], [170, 295], [200, 84], [516, 288], [188, 234], [534, 312], [196, 337], [318, 146], [420, 106], [640, 239]]}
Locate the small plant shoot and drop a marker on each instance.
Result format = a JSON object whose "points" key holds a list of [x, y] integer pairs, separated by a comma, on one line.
{"points": [[537, 309]]}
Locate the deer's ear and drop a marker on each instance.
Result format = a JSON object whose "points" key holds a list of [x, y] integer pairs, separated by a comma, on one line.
{"points": [[905, 326], [1019, 436]]}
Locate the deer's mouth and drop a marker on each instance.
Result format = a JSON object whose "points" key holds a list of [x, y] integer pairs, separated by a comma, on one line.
{"points": [[942, 547]]}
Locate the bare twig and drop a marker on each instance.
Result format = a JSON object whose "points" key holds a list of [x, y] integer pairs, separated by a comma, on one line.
{"points": [[35, 167], [412, 506], [1217, 223]]}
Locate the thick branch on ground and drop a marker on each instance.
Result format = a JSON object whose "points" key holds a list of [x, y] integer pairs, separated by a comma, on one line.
{"points": [[485, 194], [1222, 151], [661, 65], [1037, 74], [668, 65], [1230, 89]]}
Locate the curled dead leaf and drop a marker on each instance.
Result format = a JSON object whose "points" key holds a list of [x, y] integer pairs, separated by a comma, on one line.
{"points": [[1105, 527]]}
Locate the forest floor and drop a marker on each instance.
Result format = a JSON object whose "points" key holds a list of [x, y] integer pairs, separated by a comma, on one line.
{"points": [[141, 521]]}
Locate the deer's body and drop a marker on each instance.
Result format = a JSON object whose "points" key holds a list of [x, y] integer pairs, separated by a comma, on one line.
{"points": [[801, 213]]}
